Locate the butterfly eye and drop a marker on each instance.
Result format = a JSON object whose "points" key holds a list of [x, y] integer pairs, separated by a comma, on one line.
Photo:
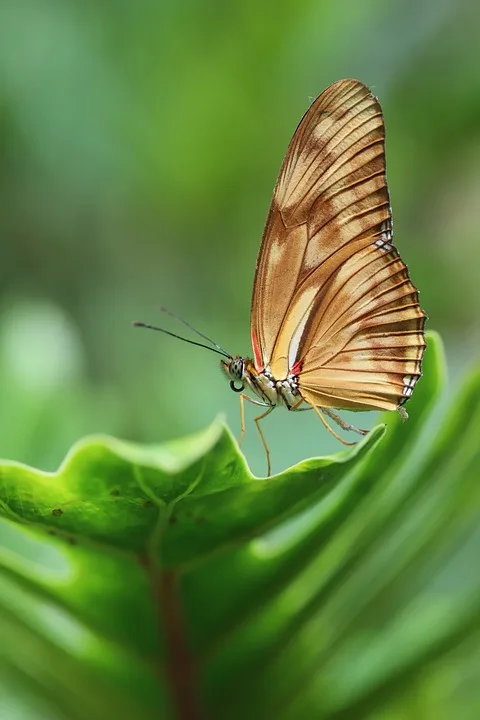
{"points": [[236, 371]]}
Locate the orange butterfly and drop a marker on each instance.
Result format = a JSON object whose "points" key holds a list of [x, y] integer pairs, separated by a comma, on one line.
{"points": [[335, 318]]}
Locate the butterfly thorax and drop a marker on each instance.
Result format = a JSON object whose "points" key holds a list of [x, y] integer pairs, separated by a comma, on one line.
{"points": [[243, 373]]}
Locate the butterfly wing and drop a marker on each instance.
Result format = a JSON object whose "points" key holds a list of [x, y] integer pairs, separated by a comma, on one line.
{"points": [[332, 300]]}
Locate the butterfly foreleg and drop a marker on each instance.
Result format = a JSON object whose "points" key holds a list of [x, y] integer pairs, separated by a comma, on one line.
{"points": [[344, 425], [244, 397], [262, 436], [269, 409]]}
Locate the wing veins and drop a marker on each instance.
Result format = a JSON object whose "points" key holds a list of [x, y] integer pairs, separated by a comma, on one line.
{"points": [[372, 258], [327, 148], [334, 166]]}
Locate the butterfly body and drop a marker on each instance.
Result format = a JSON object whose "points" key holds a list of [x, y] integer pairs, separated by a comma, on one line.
{"points": [[272, 392], [336, 322], [335, 318]]}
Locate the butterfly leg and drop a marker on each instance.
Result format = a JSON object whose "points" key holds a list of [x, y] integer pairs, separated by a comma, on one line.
{"points": [[297, 408], [242, 419], [244, 397], [320, 412], [262, 436], [403, 413], [344, 425]]}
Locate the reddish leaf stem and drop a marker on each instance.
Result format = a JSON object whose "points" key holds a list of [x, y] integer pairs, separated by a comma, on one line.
{"points": [[180, 663]]}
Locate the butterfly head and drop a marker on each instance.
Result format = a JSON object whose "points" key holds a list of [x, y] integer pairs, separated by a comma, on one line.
{"points": [[236, 369]]}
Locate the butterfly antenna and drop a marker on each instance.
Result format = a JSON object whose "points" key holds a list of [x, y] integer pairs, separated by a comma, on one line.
{"points": [[187, 324], [217, 349]]}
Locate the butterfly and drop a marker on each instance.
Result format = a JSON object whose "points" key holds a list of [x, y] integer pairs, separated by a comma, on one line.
{"points": [[335, 319]]}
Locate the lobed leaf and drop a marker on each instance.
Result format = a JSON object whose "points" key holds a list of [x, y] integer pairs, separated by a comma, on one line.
{"points": [[169, 582]]}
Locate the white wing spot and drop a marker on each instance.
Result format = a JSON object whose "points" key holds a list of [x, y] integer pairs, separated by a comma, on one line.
{"points": [[295, 341], [384, 242], [409, 382]]}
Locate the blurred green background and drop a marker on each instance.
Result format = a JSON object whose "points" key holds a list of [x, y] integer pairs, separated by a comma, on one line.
{"points": [[140, 143]]}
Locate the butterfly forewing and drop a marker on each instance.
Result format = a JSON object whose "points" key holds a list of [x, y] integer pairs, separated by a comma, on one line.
{"points": [[332, 301]]}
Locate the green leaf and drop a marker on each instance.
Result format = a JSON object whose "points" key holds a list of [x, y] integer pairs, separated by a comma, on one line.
{"points": [[170, 582]]}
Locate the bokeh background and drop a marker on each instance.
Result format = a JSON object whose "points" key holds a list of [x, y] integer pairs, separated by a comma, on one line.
{"points": [[139, 145]]}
